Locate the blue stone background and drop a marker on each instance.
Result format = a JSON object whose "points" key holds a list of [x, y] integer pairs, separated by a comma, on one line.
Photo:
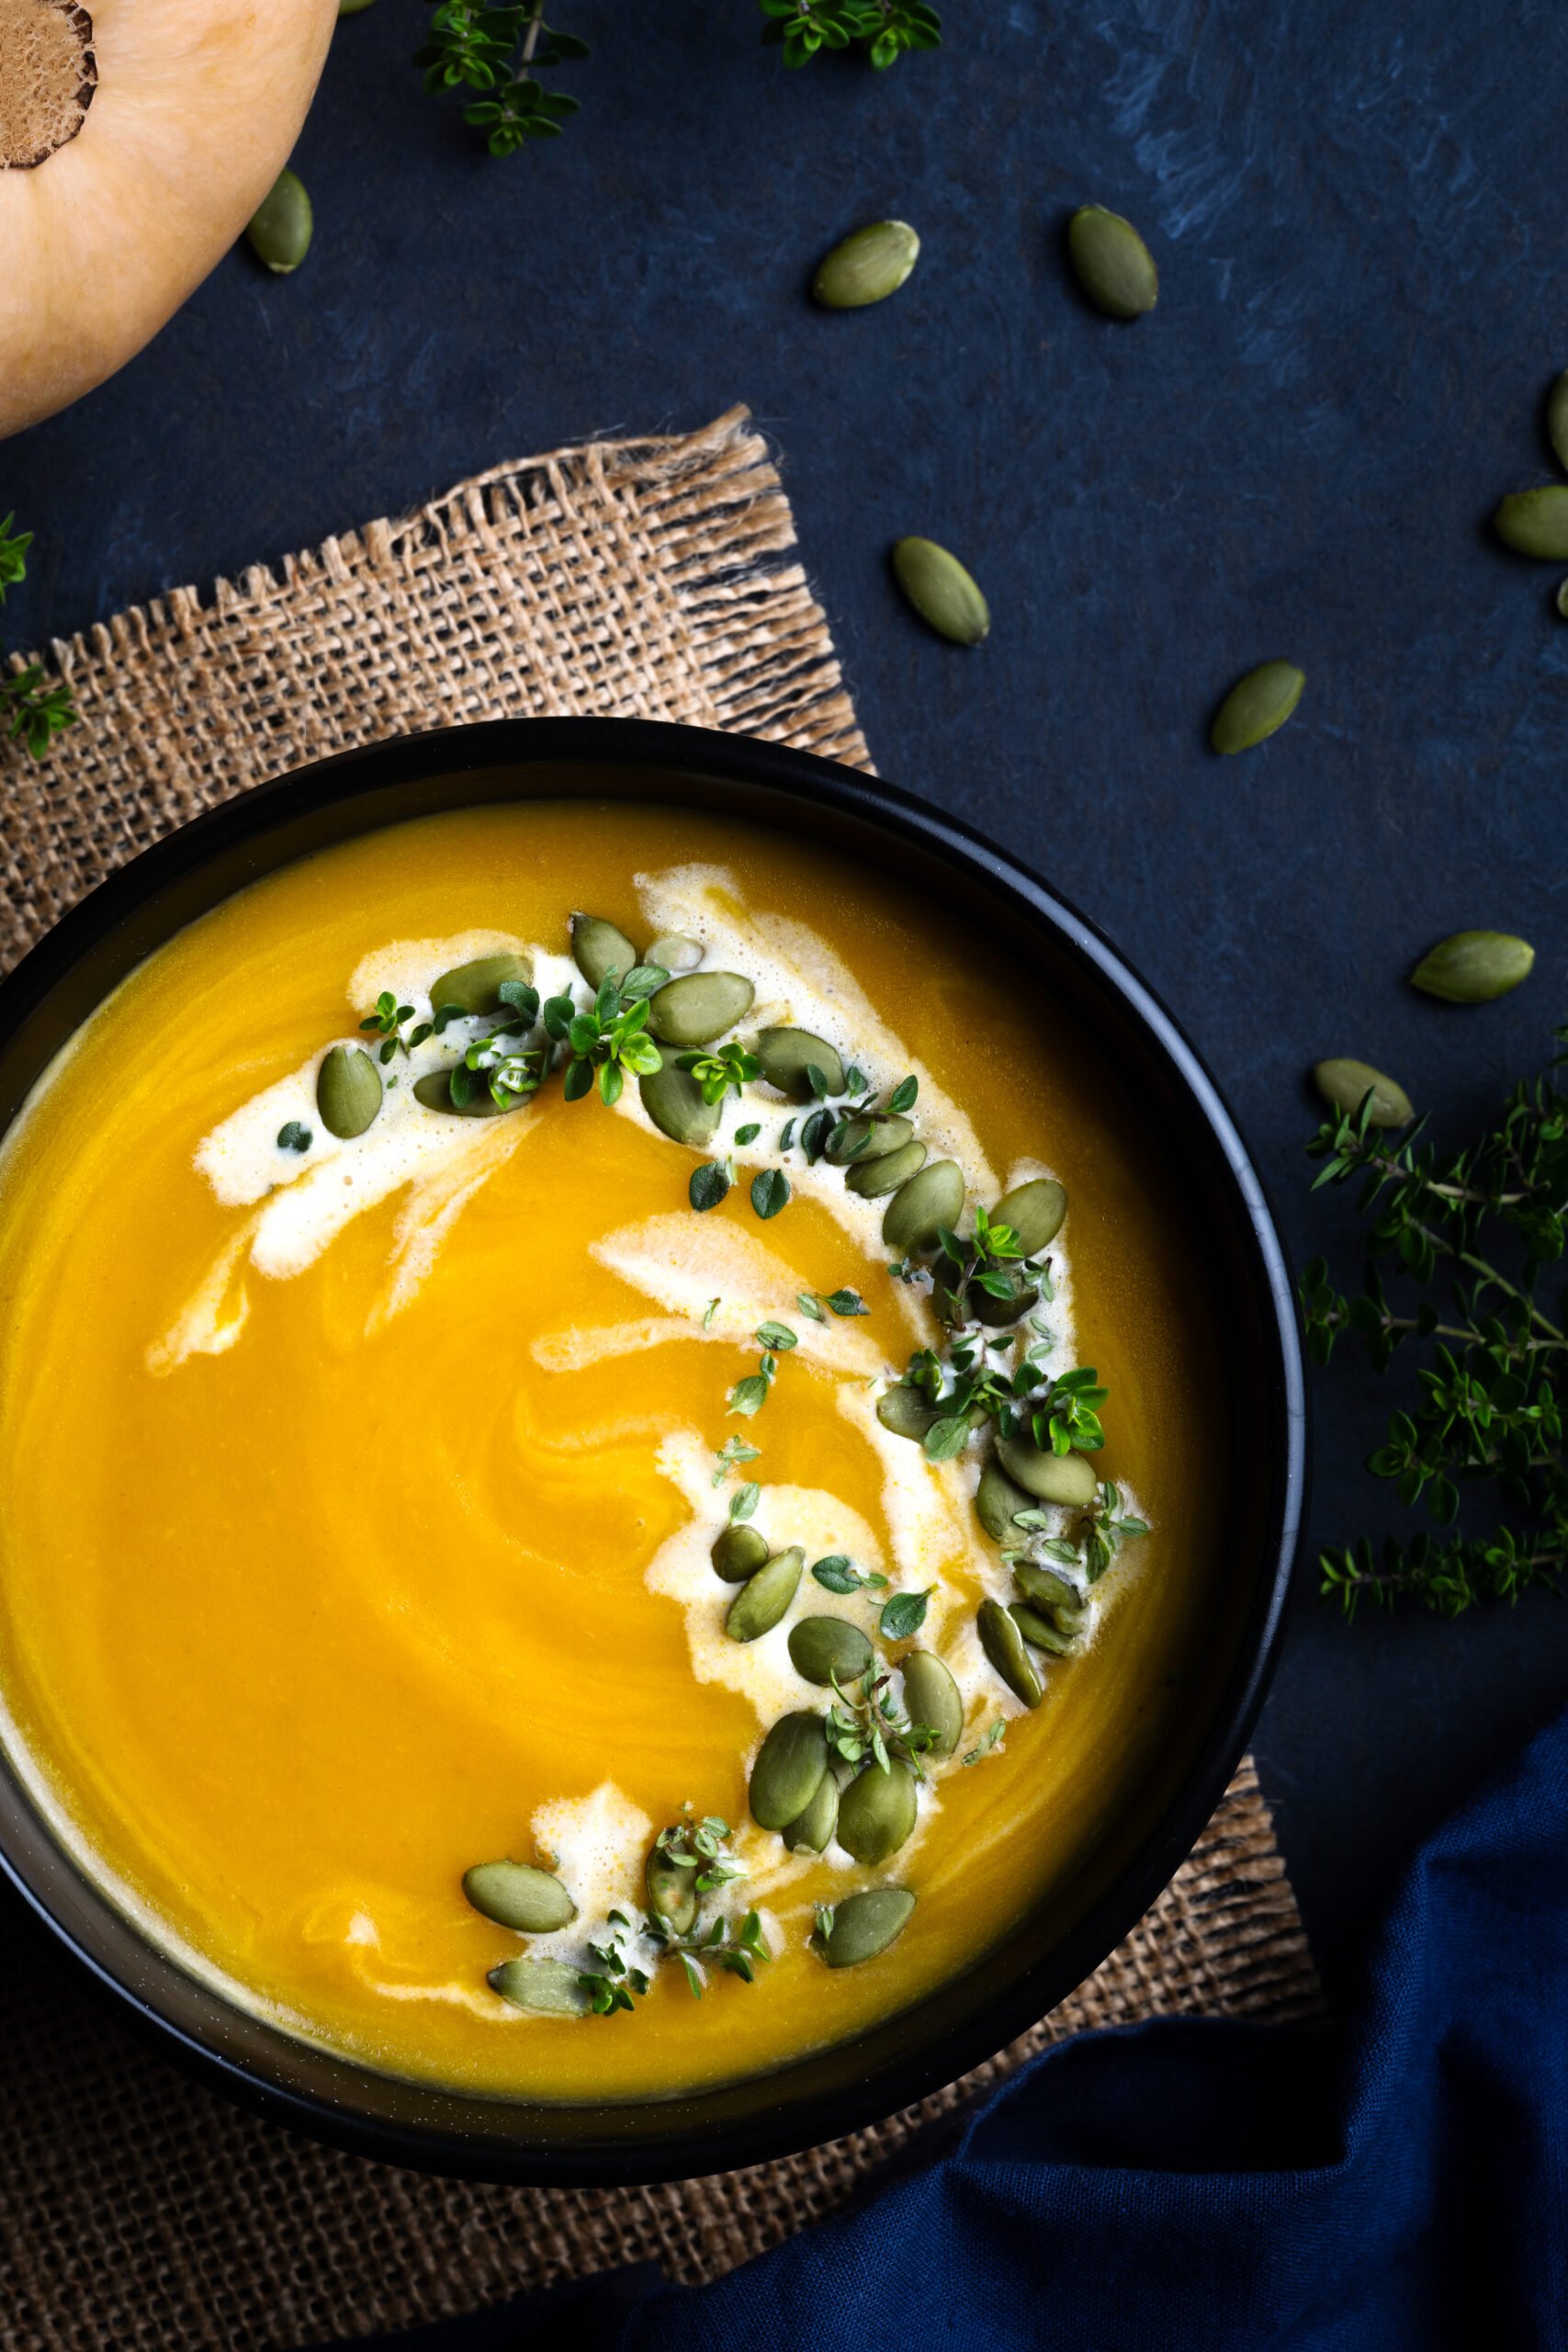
{"points": [[1357, 211]]}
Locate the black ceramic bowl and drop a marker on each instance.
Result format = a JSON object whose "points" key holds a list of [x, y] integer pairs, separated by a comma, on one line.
{"points": [[1214, 1194]]}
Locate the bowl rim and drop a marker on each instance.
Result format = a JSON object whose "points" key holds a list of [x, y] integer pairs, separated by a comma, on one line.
{"points": [[149, 1989]]}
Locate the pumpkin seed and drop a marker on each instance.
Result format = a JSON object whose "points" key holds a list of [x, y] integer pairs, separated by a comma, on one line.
{"points": [[920, 1208], [1049, 1477], [477, 987], [869, 264], [348, 1091], [763, 1600], [1111, 262], [1258, 705], [866, 1139], [872, 1179], [1039, 1630], [551, 1986], [788, 1055], [1535, 521], [1034, 1211], [1473, 967], [1050, 1595], [435, 1091], [598, 948], [789, 1767], [673, 1101], [671, 1891], [983, 1306], [864, 1925], [809, 1832], [700, 1007], [673, 951], [820, 1647], [931, 1697], [940, 591], [1561, 599], [282, 225], [1003, 1645], [907, 1411], [738, 1552], [515, 1894], [876, 1813], [997, 1502], [1347, 1084]]}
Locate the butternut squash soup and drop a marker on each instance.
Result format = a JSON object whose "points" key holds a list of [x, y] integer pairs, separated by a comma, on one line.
{"points": [[597, 1480]]}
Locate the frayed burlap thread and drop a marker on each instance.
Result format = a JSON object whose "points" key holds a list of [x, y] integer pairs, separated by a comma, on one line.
{"points": [[648, 579]]}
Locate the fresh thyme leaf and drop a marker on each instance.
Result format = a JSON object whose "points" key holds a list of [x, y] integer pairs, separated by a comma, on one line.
{"points": [[708, 1185], [292, 1136], [786, 1134], [749, 1396], [855, 1080], [846, 1302], [731, 1454], [13, 556], [884, 30], [818, 1081], [867, 1723], [903, 1615], [31, 713], [946, 1439], [769, 1192], [776, 1335], [744, 1502], [903, 1096], [807, 1306], [713, 1306], [720, 1072], [990, 1744], [748, 1133], [814, 1134], [578, 1081], [501, 52], [836, 1575]]}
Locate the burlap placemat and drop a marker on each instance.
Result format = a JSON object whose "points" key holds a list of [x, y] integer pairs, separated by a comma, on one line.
{"points": [[644, 578]]}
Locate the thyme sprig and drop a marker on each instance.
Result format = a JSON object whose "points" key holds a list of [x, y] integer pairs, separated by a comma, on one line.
{"points": [[611, 1038], [867, 1724], [1470, 1236], [884, 29], [501, 52], [701, 1847], [722, 1071], [1102, 1530], [31, 712], [1061, 1413]]}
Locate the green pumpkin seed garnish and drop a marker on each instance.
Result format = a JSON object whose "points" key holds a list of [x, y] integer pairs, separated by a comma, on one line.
{"points": [[553, 1988], [876, 1813], [1066, 1479], [763, 1600], [348, 1091], [476, 987], [1473, 967], [870, 263], [282, 225], [863, 1926], [515, 1894], [931, 1697], [695, 1009], [1039, 1630], [788, 1056], [1034, 1211], [809, 1832], [874, 1179], [915, 1215], [1561, 600], [599, 948], [1003, 1645], [1535, 521], [1111, 262], [940, 591], [906, 1410], [1258, 705], [1050, 1595], [822, 1647], [435, 1091], [789, 1767], [1347, 1084], [739, 1552], [868, 1137], [671, 1892], [998, 1502], [673, 1101], [673, 951], [1022, 1298]]}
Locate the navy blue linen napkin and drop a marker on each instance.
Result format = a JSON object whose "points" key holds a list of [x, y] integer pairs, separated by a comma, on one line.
{"points": [[1397, 2186]]}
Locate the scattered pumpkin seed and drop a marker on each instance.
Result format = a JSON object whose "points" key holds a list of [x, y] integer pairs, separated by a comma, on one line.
{"points": [[515, 1894], [1039, 1630], [869, 264], [738, 1552], [969, 1300], [872, 1179], [551, 1986], [673, 1101], [1050, 1595], [1535, 521], [282, 225], [1473, 967], [809, 1832], [477, 987], [1111, 262], [1258, 705], [918, 1209], [940, 591], [599, 948], [876, 1813], [864, 1925], [1346, 1084], [671, 1891], [820, 1647], [435, 1091], [998, 1502], [348, 1091], [865, 1138], [764, 1599], [1049, 1477], [931, 1697], [699, 1007], [1561, 599], [1003, 1645], [906, 1410], [789, 1767], [788, 1056], [673, 951], [1034, 1211]]}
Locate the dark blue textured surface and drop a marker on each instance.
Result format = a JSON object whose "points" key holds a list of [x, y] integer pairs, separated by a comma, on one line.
{"points": [[1357, 217]]}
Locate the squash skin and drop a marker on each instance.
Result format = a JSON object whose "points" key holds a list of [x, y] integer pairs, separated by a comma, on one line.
{"points": [[198, 107]]}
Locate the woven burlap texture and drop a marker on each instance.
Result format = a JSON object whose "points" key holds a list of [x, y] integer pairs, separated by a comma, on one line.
{"points": [[648, 579]]}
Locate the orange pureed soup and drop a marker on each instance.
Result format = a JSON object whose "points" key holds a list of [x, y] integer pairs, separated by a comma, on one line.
{"points": [[356, 1500]]}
